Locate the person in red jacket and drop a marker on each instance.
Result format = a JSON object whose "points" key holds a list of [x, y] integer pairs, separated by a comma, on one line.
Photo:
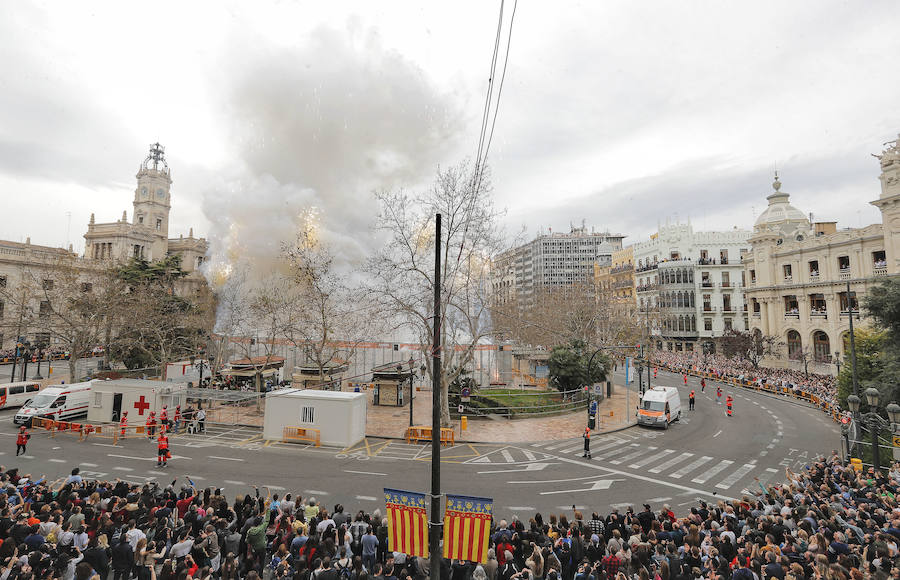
{"points": [[162, 448], [728, 401], [22, 440], [164, 417], [151, 425], [123, 423], [176, 418]]}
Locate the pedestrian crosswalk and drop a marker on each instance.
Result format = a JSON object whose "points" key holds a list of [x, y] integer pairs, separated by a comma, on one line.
{"points": [[666, 464]]}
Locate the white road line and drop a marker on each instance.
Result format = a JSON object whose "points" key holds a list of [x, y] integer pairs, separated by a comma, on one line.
{"points": [[57, 460], [557, 445], [519, 508], [156, 472], [658, 499], [529, 455], [651, 459], [767, 475], [608, 444], [123, 468], [631, 456], [312, 491], [364, 472], [719, 432], [629, 447], [366, 498], [234, 482], [224, 458], [88, 464], [675, 460], [279, 488], [734, 477], [507, 455], [714, 471]]}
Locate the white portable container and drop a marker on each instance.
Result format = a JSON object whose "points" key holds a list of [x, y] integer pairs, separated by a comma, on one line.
{"points": [[339, 416], [659, 407], [57, 402]]}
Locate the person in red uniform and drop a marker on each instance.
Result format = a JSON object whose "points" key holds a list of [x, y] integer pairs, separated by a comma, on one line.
{"points": [[685, 379], [719, 395], [691, 406], [176, 418], [164, 417], [151, 425], [123, 423], [22, 440], [702, 385], [728, 401], [162, 448]]}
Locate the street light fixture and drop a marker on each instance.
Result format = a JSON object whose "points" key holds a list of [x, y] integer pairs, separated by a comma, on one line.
{"points": [[875, 421]]}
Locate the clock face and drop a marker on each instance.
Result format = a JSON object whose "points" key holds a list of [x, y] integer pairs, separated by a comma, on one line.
{"points": [[160, 193], [144, 191]]}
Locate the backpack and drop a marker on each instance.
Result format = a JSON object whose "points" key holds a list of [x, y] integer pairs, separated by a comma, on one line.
{"points": [[344, 573]]}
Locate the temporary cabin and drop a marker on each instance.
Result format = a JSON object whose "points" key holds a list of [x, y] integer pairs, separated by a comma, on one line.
{"points": [[308, 376], [109, 399], [340, 417], [393, 383], [188, 372]]}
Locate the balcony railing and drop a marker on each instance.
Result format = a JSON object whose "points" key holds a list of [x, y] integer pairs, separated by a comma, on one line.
{"points": [[646, 268], [623, 268], [788, 279], [846, 313], [818, 314], [647, 287], [814, 276], [706, 284], [757, 315], [726, 284], [880, 271], [794, 315]]}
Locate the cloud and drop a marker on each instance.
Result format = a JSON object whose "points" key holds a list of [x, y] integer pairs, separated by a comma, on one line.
{"points": [[315, 129]]}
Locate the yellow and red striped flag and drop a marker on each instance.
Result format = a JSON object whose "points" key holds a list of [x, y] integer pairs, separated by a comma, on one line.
{"points": [[467, 527], [407, 522]]}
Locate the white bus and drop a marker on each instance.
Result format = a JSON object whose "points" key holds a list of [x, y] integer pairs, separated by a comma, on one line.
{"points": [[15, 394]]}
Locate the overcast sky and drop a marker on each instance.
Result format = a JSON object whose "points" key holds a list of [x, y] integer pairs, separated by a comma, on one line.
{"points": [[622, 114]]}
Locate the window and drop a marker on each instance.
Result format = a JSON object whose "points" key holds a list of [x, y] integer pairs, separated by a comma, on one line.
{"points": [[726, 302], [704, 255], [707, 303], [307, 414], [158, 224], [44, 309], [755, 303], [47, 284], [817, 306], [814, 268], [726, 280], [32, 387], [706, 281], [794, 344], [821, 347], [707, 324], [727, 324], [786, 269], [86, 287], [753, 276], [98, 399], [17, 390], [140, 219], [791, 306], [723, 256], [879, 259], [844, 263], [2, 281]]}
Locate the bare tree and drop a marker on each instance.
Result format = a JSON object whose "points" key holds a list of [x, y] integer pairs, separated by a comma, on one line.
{"points": [[749, 346], [401, 278]]}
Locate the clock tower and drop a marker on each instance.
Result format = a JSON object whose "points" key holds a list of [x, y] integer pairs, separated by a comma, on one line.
{"points": [[151, 198]]}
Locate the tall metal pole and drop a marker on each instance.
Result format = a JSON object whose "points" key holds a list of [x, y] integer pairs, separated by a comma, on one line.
{"points": [[435, 526]]}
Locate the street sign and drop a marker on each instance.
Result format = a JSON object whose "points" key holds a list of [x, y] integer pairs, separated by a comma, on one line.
{"points": [[896, 440], [593, 407], [598, 389]]}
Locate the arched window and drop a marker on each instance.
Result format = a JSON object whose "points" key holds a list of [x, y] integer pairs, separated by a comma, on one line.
{"points": [[678, 276], [681, 323], [821, 347], [794, 344], [693, 317], [692, 300], [690, 275]]}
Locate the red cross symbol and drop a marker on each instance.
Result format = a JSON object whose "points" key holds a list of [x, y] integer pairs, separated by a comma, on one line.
{"points": [[141, 405]]}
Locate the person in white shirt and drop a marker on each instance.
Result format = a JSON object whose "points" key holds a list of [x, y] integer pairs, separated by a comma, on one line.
{"points": [[182, 548], [134, 535]]}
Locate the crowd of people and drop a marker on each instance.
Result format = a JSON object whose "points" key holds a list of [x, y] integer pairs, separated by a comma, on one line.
{"points": [[827, 522], [717, 365]]}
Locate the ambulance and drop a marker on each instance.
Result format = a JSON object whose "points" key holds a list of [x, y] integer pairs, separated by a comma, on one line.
{"points": [[57, 402], [659, 407]]}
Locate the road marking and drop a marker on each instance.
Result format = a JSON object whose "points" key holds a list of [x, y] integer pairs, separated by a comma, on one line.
{"points": [[529, 455], [224, 458], [309, 491], [366, 498], [156, 472], [123, 468], [651, 459], [675, 460], [767, 475], [557, 445], [234, 482], [529, 467], [519, 508], [629, 447], [734, 477], [106, 445], [507, 455], [658, 499], [57, 460], [558, 480], [715, 470], [597, 485], [719, 432], [147, 458], [631, 456], [573, 449], [88, 464], [364, 472]]}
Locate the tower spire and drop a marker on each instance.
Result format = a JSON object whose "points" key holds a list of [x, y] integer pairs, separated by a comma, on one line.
{"points": [[156, 157]]}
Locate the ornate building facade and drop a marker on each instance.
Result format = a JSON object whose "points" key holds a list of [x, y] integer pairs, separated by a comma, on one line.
{"points": [[23, 266], [805, 280]]}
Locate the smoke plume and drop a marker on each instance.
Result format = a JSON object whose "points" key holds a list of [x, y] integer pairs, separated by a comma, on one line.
{"points": [[316, 130]]}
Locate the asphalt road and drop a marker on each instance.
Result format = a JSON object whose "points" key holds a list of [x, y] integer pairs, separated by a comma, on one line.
{"points": [[706, 454]]}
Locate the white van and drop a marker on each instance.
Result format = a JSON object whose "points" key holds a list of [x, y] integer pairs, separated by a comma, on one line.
{"points": [[58, 402], [659, 407], [17, 394]]}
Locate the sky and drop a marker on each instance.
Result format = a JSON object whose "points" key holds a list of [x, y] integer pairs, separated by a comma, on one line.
{"points": [[620, 114]]}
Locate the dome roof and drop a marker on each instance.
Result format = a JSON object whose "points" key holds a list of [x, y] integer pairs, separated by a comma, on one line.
{"points": [[779, 212]]}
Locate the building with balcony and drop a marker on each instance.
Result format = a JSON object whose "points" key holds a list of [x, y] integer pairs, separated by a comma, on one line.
{"points": [[805, 280], [688, 285]]}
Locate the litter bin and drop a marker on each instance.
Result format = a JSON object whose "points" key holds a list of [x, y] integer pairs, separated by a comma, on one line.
{"points": [[592, 422], [463, 423]]}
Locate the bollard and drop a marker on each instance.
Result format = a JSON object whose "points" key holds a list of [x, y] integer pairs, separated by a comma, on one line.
{"points": [[463, 423]]}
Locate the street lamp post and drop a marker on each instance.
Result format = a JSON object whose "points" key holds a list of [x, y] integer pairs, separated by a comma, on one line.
{"points": [[411, 397], [875, 421], [837, 361]]}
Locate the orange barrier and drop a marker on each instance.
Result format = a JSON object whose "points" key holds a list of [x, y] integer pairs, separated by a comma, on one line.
{"points": [[301, 434], [423, 433]]}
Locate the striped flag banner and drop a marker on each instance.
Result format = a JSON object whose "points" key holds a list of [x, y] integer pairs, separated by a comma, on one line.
{"points": [[467, 527], [407, 522]]}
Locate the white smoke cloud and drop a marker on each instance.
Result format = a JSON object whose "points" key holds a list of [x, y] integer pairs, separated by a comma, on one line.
{"points": [[316, 129]]}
